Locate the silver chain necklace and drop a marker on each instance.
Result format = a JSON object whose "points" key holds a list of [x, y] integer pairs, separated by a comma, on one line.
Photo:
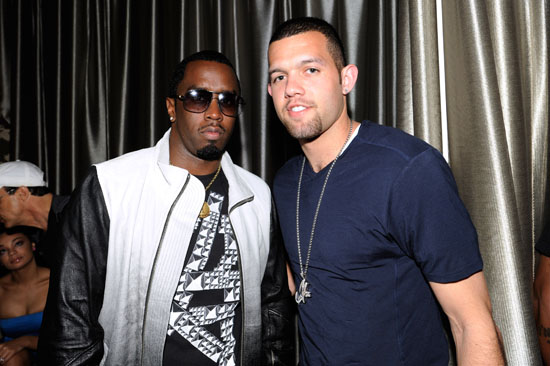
{"points": [[303, 292]]}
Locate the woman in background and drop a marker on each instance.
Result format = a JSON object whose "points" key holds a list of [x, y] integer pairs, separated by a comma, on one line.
{"points": [[23, 291]]}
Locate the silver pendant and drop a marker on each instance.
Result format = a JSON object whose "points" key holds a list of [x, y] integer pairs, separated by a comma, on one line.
{"points": [[302, 292]]}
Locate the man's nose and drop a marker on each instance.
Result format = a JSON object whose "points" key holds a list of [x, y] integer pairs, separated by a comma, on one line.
{"points": [[293, 86], [214, 111]]}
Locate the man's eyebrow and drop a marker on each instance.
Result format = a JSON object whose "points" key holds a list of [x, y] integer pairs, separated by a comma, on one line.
{"points": [[198, 87], [312, 60], [272, 71]]}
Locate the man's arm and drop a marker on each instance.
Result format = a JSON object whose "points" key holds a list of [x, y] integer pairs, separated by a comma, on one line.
{"points": [[71, 333], [278, 307], [541, 298], [468, 306]]}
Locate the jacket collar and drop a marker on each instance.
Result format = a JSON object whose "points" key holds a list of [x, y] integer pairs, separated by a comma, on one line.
{"points": [[239, 188]]}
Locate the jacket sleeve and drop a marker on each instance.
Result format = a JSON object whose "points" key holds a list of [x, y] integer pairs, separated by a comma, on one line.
{"points": [[278, 307], [71, 333]]}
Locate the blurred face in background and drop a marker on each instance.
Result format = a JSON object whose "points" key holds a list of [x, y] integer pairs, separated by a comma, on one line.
{"points": [[16, 251]]}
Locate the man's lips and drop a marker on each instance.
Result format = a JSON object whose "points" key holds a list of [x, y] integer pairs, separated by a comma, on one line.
{"points": [[295, 109], [212, 132]]}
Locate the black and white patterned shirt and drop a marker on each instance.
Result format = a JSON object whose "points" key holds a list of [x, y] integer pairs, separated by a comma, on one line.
{"points": [[205, 319]]}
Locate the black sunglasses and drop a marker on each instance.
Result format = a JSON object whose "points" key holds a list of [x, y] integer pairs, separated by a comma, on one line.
{"points": [[198, 101]]}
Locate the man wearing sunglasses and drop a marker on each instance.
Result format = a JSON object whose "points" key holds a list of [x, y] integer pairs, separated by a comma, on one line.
{"points": [[170, 255]]}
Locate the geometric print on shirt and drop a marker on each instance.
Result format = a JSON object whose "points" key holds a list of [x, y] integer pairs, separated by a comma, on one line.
{"points": [[190, 321]]}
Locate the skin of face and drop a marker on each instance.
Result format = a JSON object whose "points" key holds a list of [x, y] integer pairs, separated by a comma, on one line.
{"points": [[194, 131], [16, 251], [11, 208], [305, 85]]}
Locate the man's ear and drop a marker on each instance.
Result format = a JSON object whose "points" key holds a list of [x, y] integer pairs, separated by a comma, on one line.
{"points": [[171, 108], [269, 88], [22, 193], [349, 78]]}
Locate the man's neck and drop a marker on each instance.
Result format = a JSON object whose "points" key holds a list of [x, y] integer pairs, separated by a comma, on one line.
{"points": [[323, 150], [201, 168], [39, 211], [183, 159]]}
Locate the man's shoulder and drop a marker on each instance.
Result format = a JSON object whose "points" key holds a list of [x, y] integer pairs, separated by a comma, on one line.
{"points": [[252, 180], [125, 167], [58, 203], [289, 170], [130, 160], [391, 143]]}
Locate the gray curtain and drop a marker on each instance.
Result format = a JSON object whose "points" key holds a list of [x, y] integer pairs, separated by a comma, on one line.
{"points": [[84, 81], [496, 58]]}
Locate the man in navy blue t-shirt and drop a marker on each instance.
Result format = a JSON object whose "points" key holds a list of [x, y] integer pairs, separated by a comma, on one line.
{"points": [[376, 233]]}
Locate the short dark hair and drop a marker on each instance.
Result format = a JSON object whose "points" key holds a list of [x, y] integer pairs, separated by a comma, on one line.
{"points": [[31, 232], [207, 55], [293, 27], [35, 191]]}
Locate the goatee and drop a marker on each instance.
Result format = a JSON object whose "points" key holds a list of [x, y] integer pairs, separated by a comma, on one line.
{"points": [[210, 153]]}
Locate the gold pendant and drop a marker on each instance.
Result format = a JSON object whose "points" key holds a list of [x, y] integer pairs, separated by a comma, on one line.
{"points": [[205, 210]]}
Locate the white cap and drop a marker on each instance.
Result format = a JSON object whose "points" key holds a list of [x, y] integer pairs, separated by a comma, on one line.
{"points": [[21, 173]]}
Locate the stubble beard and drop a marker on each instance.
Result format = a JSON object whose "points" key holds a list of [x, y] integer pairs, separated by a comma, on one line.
{"points": [[308, 130]]}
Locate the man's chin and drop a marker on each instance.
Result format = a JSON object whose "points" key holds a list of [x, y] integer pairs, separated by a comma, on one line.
{"points": [[210, 153], [304, 135], [304, 131]]}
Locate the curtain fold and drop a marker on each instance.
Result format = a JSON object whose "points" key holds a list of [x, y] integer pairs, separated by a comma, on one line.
{"points": [[82, 82], [489, 97], [419, 108]]}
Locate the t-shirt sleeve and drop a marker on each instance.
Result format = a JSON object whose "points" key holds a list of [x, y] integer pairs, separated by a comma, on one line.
{"points": [[428, 220], [543, 243]]}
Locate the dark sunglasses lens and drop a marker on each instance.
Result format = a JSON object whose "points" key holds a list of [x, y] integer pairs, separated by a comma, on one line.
{"points": [[229, 103], [197, 100]]}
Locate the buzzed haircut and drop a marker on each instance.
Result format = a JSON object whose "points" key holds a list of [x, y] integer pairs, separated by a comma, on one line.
{"points": [[293, 27], [207, 55]]}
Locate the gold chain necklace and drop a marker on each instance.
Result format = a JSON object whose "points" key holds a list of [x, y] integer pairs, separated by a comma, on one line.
{"points": [[205, 210]]}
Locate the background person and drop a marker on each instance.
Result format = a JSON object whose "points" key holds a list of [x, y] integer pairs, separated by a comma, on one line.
{"points": [[25, 200], [23, 294]]}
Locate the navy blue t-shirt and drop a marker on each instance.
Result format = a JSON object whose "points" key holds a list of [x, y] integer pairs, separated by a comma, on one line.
{"points": [[390, 221]]}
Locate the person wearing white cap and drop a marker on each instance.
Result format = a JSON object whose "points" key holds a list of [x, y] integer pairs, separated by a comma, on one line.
{"points": [[25, 200]]}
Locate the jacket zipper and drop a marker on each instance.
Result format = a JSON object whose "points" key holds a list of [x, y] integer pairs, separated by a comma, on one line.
{"points": [[238, 204], [155, 263]]}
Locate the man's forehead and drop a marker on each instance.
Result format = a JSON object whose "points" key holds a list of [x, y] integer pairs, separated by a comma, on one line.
{"points": [[209, 75], [312, 45]]}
